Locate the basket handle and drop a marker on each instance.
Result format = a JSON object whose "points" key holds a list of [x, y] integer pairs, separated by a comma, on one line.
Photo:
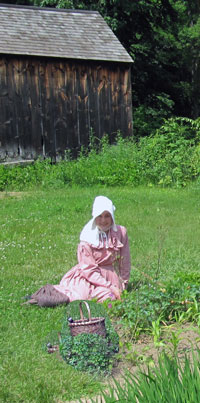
{"points": [[81, 311]]}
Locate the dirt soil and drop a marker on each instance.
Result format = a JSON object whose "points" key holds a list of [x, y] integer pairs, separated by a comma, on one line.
{"points": [[188, 340], [3, 195]]}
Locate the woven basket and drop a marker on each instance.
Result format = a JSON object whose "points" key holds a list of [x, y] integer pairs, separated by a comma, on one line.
{"points": [[90, 325]]}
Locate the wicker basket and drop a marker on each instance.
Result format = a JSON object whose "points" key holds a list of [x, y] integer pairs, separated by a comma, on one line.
{"points": [[90, 325]]}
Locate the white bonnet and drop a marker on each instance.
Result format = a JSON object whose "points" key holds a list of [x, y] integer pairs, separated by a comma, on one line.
{"points": [[90, 232], [101, 204]]}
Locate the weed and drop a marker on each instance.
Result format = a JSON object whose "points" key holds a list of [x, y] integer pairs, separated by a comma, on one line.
{"points": [[174, 340]]}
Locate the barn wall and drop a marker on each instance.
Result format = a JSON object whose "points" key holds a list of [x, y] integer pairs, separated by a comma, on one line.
{"points": [[49, 106]]}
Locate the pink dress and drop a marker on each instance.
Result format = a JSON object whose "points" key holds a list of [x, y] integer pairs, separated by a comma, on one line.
{"points": [[99, 268]]}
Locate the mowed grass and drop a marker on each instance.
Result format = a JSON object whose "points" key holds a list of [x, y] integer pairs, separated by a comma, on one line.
{"points": [[38, 243]]}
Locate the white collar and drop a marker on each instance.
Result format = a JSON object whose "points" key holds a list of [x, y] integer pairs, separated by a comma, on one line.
{"points": [[90, 233]]}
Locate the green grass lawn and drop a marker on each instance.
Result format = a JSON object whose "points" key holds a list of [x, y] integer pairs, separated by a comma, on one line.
{"points": [[38, 243]]}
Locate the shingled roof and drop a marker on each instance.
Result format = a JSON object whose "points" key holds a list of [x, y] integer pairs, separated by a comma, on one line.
{"points": [[48, 32]]}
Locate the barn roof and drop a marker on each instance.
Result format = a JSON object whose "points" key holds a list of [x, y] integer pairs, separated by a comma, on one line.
{"points": [[74, 34]]}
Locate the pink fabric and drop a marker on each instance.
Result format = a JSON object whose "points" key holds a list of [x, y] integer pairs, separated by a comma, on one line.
{"points": [[98, 268]]}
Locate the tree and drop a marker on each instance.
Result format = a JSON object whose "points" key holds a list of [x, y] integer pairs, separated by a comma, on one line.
{"points": [[189, 38]]}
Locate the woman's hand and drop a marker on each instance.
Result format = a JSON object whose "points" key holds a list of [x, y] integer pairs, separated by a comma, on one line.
{"points": [[124, 285], [116, 291]]}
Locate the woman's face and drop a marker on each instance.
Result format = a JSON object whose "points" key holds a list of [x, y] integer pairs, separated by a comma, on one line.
{"points": [[104, 221]]}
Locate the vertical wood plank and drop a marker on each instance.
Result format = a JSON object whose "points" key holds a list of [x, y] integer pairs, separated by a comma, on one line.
{"points": [[48, 106]]}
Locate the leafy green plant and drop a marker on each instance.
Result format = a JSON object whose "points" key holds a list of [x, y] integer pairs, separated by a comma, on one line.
{"points": [[174, 340], [180, 317], [87, 352], [168, 155], [143, 308]]}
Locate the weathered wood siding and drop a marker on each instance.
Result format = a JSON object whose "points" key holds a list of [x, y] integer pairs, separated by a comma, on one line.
{"points": [[48, 106]]}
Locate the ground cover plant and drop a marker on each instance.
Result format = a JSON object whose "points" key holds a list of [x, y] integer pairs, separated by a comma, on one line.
{"points": [[38, 239]]}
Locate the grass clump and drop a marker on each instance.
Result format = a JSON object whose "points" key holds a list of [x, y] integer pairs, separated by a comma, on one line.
{"points": [[170, 381]]}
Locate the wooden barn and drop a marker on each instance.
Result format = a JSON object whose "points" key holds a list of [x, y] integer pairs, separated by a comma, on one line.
{"points": [[63, 76]]}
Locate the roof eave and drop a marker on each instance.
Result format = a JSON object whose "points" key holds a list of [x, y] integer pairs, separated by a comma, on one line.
{"points": [[114, 60]]}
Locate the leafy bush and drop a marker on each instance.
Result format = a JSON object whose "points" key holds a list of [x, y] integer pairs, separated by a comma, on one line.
{"points": [[89, 352]]}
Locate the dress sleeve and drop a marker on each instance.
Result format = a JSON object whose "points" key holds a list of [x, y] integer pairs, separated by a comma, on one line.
{"points": [[125, 257], [89, 269]]}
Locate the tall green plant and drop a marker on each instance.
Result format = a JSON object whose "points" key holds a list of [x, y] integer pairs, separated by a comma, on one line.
{"points": [[171, 381]]}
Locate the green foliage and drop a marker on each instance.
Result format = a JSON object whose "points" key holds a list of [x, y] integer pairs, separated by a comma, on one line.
{"points": [[150, 116], [140, 308], [170, 381], [89, 352], [54, 3], [170, 157]]}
